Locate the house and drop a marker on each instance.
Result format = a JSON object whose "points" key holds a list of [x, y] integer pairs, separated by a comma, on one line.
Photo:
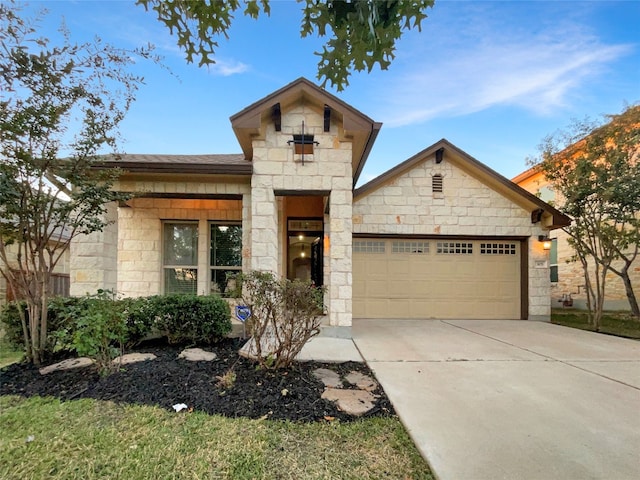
{"points": [[439, 236], [566, 274], [59, 282]]}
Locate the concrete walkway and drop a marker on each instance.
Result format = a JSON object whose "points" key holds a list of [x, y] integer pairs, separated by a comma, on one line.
{"points": [[510, 399]]}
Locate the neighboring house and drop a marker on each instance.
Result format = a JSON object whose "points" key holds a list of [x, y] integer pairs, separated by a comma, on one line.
{"points": [[567, 275], [438, 236], [59, 279]]}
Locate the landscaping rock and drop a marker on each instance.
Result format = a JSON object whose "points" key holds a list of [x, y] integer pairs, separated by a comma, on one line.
{"points": [[363, 382], [133, 358], [67, 365], [352, 402], [328, 377], [197, 355]]}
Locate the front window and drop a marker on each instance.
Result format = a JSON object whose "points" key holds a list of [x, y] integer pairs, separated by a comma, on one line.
{"points": [[225, 255], [180, 257]]}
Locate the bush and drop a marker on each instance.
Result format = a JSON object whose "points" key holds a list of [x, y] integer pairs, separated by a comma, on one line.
{"points": [[99, 325], [140, 317], [100, 329], [188, 318], [285, 314]]}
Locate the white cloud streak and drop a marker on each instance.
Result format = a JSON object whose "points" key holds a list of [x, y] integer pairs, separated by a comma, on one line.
{"points": [[226, 68], [537, 71]]}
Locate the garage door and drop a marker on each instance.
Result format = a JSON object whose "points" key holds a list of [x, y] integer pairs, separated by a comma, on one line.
{"points": [[467, 279]]}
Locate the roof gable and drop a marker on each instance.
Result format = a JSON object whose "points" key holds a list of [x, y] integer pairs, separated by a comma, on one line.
{"points": [[250, 122], [450, 153]]}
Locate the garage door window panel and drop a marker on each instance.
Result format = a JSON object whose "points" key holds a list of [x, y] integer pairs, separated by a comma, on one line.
{"points": [[367, 246], [498, 249], [454, 248]]}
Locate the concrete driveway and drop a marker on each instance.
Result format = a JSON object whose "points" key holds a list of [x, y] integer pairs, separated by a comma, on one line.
{"points": [[500, 399]]}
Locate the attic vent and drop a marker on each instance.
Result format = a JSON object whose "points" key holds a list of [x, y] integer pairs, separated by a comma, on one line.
{"points": [[436, 183]]}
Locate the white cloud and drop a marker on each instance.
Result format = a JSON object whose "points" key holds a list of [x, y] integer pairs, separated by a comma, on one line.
{"points": [[227, 68], [490, 65]]}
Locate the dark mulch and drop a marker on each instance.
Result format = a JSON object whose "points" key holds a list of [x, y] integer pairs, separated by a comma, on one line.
{"points": [[291, 394]]}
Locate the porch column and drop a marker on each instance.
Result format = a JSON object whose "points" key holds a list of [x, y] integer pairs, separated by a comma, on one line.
{"points": [[264, 228], [339, 255]]}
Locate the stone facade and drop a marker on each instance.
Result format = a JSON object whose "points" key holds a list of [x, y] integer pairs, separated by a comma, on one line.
{"points": [[406, 205], [328, 170]]}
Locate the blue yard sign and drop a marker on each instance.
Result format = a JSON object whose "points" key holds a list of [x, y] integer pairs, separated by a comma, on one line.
{"points": [[243, 312]]}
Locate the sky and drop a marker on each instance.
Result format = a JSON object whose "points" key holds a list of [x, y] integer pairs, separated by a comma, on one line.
{"points": [[493, 78]]}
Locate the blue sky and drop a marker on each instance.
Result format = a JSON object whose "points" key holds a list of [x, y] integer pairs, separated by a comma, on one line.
{"points": [[491, 77]]}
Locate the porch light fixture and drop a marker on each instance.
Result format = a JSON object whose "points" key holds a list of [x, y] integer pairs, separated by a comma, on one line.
{"points": [[302, 144], [546, 241]]}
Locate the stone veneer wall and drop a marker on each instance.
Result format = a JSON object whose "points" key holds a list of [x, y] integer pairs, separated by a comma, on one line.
{"points": [[93, 258], [406, 205], [127, 256], [140, 240], [329, 169]]}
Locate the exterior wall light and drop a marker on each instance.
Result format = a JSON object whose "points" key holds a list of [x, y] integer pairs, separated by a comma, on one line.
{"points": [[546, 242], [302, 144]]}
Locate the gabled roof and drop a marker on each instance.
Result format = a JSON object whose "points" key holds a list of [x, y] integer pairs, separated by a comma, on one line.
{"points": [[477, 169], [249, 123], [231, 164]]}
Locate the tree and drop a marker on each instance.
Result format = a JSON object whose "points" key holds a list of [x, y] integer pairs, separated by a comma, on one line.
{"points": [[60, 106], [361, 33], [595, 172]]}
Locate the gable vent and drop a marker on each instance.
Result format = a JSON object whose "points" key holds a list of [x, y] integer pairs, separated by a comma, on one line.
{"points": [[436, 183]]}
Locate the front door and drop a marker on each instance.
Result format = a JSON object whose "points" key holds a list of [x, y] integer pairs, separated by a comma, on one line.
{"points": [[305, 252]]}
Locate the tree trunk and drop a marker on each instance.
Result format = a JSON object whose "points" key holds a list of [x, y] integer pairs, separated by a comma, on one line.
{"points": [[34, 327], [631, 296]]}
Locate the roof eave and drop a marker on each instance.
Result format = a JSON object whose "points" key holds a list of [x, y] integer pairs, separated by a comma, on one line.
{"points": [[145, 167]]}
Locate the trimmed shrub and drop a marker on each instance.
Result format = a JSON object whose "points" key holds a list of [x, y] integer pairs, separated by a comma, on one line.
{"points": [[192, 319], [140, 316]]}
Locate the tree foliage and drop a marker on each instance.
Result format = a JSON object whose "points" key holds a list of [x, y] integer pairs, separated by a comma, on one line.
{"points": [[595, 172], [60, 106], [359, 33]]}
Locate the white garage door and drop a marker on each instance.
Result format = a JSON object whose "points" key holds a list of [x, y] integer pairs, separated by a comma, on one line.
{"points": [[467, 279]]}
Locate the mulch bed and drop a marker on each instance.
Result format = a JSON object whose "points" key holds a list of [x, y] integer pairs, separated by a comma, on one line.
{"points": [[291, 394]]}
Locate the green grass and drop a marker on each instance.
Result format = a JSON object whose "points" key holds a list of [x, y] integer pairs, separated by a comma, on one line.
{"points": [[89, 439], [613, 323], [8, 354]]}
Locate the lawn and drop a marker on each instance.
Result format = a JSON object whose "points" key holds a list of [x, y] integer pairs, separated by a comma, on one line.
{"points": [[88, 439], [613, 323], [8, 354]]}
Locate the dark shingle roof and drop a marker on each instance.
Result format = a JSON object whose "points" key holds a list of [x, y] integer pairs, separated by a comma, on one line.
{"points": [[233, 163]]}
